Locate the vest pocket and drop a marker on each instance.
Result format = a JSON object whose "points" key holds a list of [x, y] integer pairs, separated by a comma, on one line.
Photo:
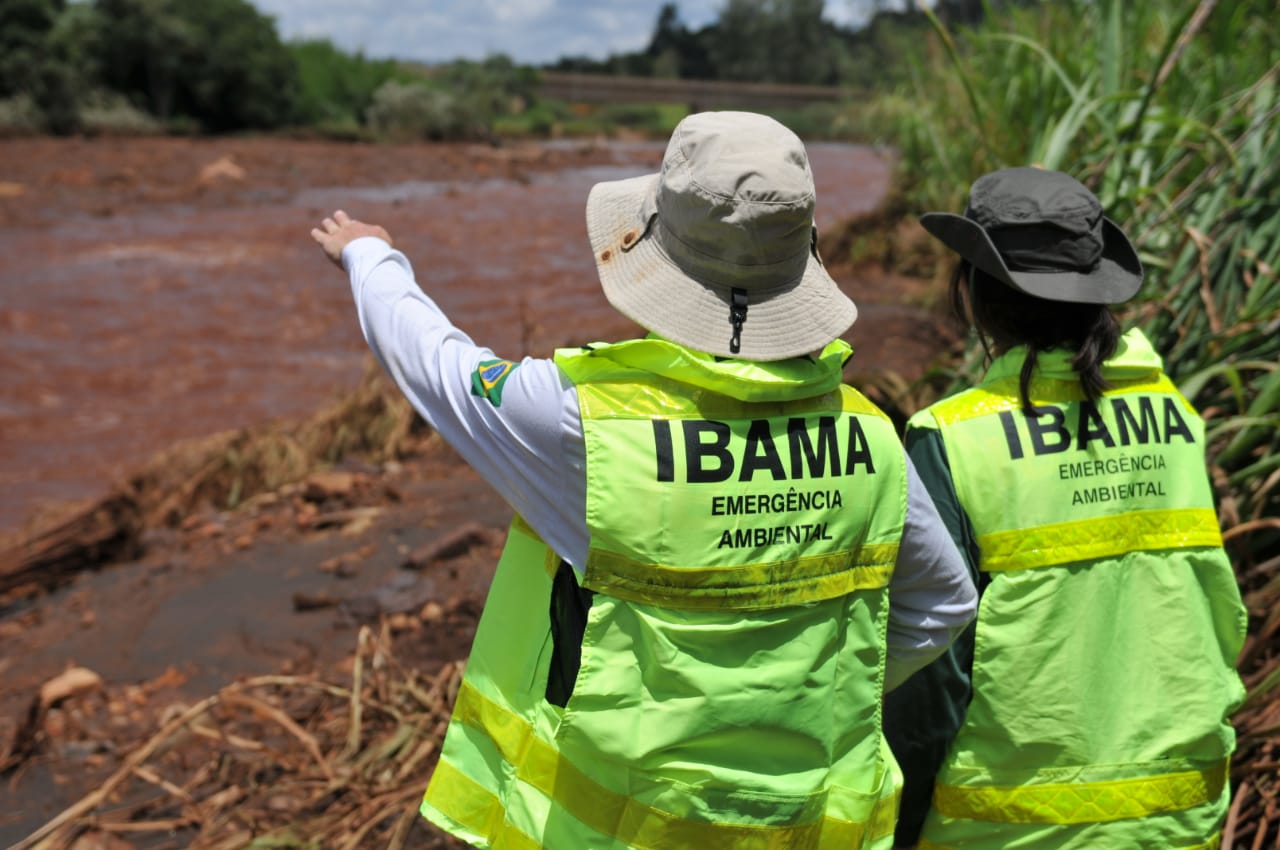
{"points": [[570, 607]]}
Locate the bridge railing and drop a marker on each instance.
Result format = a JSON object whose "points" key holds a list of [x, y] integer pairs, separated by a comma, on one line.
{"points": [[702, 94]]}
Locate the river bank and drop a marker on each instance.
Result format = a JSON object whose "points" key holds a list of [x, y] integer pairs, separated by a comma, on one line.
{"points": [[161, 292]]}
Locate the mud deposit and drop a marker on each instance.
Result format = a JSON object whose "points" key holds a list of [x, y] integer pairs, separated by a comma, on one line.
{"points": [[158, 290]]}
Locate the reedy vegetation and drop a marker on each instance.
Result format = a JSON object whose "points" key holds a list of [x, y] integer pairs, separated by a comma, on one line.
{"points": [[1170, 111]]}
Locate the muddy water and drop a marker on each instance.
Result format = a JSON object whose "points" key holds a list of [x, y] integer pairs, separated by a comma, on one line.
{"points": [[174, 319], [165, 321]]}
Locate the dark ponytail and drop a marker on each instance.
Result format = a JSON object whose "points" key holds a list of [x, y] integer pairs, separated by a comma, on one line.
{"points": [[1006, 318]]}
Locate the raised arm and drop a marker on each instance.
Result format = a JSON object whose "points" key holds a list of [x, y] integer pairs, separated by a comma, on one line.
{"points": [[514, 422]]}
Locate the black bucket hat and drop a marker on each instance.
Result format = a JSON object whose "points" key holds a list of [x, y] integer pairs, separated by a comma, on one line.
{"points": [[1042, 233]]}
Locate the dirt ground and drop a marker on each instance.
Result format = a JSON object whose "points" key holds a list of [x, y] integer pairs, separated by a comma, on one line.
{"points": [[99, 377]]}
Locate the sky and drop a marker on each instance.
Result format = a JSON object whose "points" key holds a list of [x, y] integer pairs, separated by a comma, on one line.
{"points": [[529, 31]]}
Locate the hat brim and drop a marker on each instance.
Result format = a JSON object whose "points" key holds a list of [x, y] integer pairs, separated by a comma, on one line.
{"points": [[1116, 278], [800, 315]]}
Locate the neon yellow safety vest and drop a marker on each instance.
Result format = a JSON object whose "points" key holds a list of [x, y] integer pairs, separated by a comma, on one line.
{"points": [[745, 520], [1104, 660]]}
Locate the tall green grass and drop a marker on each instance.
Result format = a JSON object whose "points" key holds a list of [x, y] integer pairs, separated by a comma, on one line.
{"points": [[1170, 111]]}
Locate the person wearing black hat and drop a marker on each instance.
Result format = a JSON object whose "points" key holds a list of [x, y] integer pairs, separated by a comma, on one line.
{"points": [[1088, 705]]}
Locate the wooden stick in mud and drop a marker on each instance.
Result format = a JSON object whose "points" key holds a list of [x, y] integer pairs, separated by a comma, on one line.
{"points": [[1233, 815], [269, 712], [385, 806], [357, 685], [94, 798], [92, 536]]}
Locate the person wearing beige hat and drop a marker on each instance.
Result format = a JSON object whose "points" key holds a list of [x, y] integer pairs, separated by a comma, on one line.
{"points": [[1090, 706], [721, 555]]}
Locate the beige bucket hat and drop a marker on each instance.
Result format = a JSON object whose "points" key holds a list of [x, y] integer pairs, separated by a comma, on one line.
{"points": [[717, 252]]}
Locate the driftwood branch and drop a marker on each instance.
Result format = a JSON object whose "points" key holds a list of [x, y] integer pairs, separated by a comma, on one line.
{"points": [[107, 531]]}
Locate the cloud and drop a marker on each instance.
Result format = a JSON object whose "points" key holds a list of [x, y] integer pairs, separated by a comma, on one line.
{"points": [[530, 31], [516, 11]]}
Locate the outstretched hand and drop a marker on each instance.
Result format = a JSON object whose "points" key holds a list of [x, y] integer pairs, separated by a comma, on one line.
{"points": [[339, 230]]}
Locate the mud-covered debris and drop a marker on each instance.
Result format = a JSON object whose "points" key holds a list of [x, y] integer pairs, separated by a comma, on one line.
{"points": [[223, 168], [347, 565], [100, 841], [339, 567], [321, 487], [71, 683], [352, 521], [452, 545], [314, 601], [277, 761], [84, 538], [32, 733], [210, 530], [402, 593]]}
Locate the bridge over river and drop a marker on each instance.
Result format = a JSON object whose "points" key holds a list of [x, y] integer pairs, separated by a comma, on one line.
{"points": [[700, 94]]}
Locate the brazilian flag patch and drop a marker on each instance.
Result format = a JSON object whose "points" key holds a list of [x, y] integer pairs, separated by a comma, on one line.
{"points": [[488, 378]]}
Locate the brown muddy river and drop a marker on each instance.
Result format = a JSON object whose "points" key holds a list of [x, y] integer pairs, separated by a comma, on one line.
{"points": [[139, 308], [154, 290]]}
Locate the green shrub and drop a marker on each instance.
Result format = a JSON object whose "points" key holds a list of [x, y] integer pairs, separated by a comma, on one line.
{"points": [[104, 113], [19, 116], [545, 119], [631, 115], [414, 112]]}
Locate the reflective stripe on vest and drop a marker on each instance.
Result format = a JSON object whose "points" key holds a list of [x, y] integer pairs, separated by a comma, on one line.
{"points": [[745, 587], [1082, 802], [539, 765], [1212, 844], [1101, 537], [1005, 395]]}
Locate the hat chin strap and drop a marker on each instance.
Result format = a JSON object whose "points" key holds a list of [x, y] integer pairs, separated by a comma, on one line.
{"points": [[737, 317]]}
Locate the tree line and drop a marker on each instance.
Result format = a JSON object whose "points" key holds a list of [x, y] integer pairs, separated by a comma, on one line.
{"points": [[785, 41], [220, 66]]}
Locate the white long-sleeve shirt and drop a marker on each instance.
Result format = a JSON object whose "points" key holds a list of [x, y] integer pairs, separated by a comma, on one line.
{"points": [[532, 445]]}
